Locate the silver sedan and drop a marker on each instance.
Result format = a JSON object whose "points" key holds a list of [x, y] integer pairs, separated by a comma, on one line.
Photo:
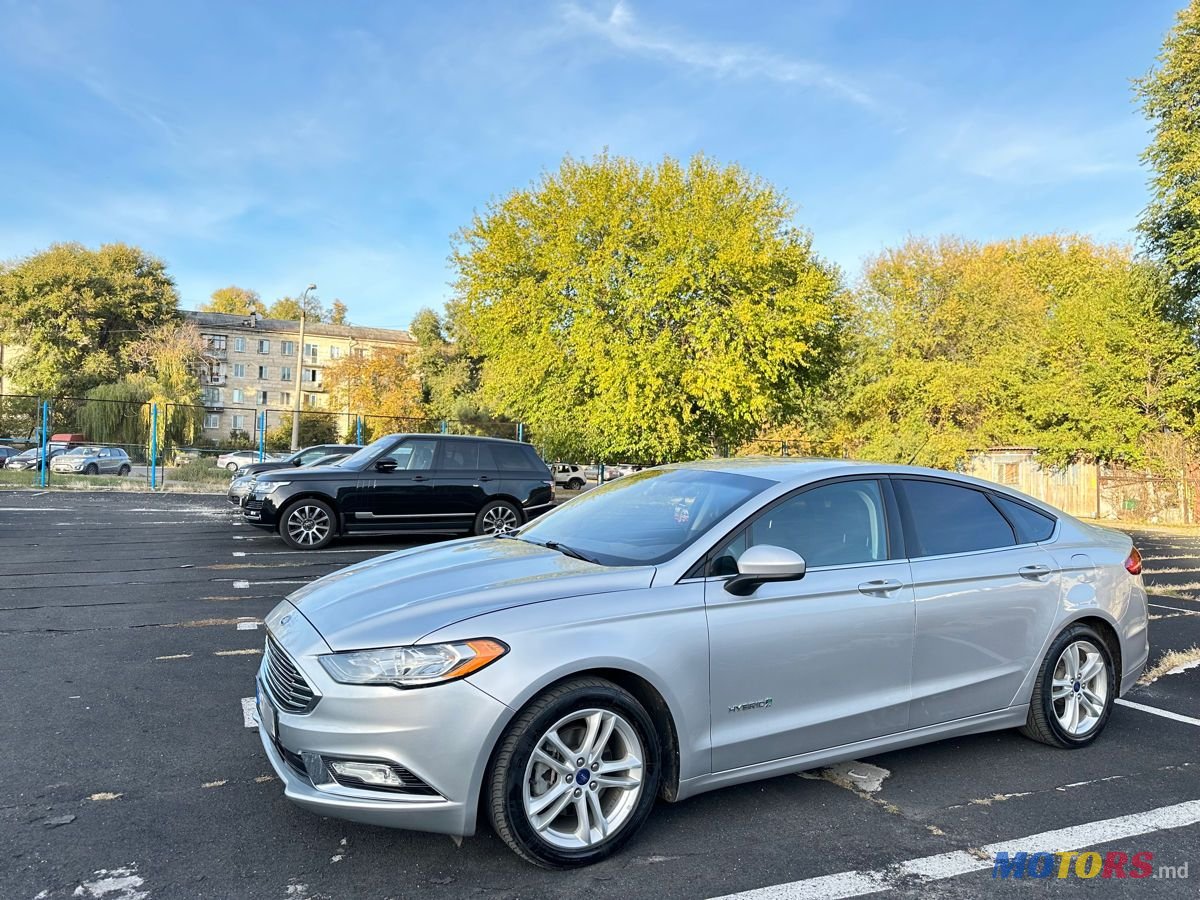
{"points": [[686, 628]]}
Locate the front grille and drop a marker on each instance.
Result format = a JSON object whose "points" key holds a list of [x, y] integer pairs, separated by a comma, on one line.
{"points": [[288, 688]]}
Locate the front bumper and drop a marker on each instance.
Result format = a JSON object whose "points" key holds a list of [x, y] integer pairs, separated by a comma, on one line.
{"points": [[441, 734]]}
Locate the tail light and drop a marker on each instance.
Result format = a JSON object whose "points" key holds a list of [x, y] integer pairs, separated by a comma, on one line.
{"points": [[1133, 562]]}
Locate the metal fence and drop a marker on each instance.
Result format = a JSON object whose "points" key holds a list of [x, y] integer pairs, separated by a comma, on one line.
{"points": [[180, 442]]}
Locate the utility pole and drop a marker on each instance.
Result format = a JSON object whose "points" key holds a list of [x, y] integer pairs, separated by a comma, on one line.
{"points": [[299, 372]]}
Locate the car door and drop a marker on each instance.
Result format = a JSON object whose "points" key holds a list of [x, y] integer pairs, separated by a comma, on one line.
{"points": [[984, 602], [395, 493], [465, 480], [826, 660]]}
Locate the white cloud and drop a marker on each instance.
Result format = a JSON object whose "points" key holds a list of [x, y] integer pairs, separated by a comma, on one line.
{"points": [[622, 30]]}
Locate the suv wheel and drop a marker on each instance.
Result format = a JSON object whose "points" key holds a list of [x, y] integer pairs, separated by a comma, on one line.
{"points": [[307, 524], [575, 775], [497, 517], [124, 470], [1074, 691], [91, 469], [574, 485]]}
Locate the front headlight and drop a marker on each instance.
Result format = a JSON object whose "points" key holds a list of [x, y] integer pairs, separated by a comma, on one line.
{"points": [[415, 666], [269, 487]]}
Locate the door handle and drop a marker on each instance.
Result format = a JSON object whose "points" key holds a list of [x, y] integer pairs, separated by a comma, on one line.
{"points": [[1033, 572], [484, 478], [418, 478], [880, 586]]}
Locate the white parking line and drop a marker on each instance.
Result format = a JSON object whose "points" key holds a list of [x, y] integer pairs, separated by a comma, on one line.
{"points": [[249, 713], [1165, 713], [962, 862]]}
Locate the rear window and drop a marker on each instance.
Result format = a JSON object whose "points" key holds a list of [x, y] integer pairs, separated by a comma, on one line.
{"points": [[951, 519], [1030, 524], [458, 455], [508, 457]]}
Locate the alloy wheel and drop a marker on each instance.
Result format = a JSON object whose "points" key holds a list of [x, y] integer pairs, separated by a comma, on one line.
{"points": [[308, 525], [1079, 688], [583, 779], [500, 520]]}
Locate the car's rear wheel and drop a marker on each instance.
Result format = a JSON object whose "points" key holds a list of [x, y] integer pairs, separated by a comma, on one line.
{"points": [[497, 517], [123, 471], [91, 469], [574, 485], [307, 524], [1074, 692], [232, 467], [575, 775]]}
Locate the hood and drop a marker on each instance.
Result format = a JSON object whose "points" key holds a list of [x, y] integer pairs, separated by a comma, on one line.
{"points": [[301, 473], [399, 598], [259, 467]]}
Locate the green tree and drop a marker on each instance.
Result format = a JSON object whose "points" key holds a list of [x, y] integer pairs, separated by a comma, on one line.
{"points": [[381, 384], [117, 413], [234, 301], [644, 312], [1170, 224], [289, 308], [72, 310], [315, 428], [339, 313], [171, 357], [1053, 342], [448, 377]]}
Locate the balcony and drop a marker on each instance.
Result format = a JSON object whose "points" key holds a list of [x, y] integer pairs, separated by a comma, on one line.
{"points": [[213, 379], [214, 352]]}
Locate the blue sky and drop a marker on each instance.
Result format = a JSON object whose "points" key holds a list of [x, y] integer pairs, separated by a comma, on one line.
{"points": [[270, 145]]}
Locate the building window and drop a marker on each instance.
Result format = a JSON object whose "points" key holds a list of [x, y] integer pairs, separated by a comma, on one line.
{"points": [[1010, 473], [214, 341], [262, 398], [310, 376], [264, 346], [335, 352], [285, 374], [287, 348], [310, 399], [212, 395], [310, 351], [239, 423], [239, 344], [285, 399], [239, 396], [262, 373], [360, 352], [239, 370], [211, 421]]}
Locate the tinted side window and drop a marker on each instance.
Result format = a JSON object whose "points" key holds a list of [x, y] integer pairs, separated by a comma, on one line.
{"points": [[951, 519], [417, 454], [509, 457], [834, 525], [1030, 524], [459, 455]]}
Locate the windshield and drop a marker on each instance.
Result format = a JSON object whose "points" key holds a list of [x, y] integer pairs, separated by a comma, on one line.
{"points": [[83, 451], [367, 453], [645, 518]]}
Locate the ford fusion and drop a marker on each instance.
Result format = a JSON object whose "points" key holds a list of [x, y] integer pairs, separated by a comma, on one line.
{"points": [[686, 628]]}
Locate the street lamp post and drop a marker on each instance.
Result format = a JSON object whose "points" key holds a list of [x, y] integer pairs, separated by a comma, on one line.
{"points": [[299, 372]]}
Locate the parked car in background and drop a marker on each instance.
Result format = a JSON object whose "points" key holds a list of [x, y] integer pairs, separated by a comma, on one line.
{"points": [[570, 476], [304, 457], [30, 459], [242, 484], [405, 484], [236, 458], [92, 461], [687, 628], [7, 452]]}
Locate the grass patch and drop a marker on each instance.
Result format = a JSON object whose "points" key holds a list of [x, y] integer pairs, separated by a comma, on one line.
{"points": [[1172, 663]]}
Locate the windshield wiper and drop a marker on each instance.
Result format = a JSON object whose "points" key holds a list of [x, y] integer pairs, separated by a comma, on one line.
{"points": [[553, 545]]}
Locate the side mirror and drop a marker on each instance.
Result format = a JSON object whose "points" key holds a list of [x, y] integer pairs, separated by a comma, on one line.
{"points": [[387, 464], [764, 563], [297, 461]]}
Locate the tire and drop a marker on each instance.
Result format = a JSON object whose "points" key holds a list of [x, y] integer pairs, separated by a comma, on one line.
{"points": [[516, 781], [91, 469], [308, 524], [123, 471], [1049, 718], [497, 517], [574, 485], [232, 467]]}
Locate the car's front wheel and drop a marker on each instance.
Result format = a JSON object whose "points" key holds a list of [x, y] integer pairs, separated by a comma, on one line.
{"points": [[91, 469], [307, 524], [575, 775], [232, 467], [1074, 691]]}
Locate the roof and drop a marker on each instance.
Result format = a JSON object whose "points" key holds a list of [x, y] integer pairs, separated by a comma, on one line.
{"points": [[801, 469], [357, 332]]}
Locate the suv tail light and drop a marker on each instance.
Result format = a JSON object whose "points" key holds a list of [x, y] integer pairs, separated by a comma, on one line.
{"points": [[1133, 563]]}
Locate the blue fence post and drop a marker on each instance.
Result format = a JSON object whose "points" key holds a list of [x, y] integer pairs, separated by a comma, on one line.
{"points": [[44, 477], [358, 430], [444, 428], [262, 434], [154, 446], [520, 431]]}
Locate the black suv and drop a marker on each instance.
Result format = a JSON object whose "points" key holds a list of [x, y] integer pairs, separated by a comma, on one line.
{"points": [[405, 484]]}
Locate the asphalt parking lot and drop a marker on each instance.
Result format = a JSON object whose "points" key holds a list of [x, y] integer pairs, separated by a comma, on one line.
{"points": [[129, 636]]}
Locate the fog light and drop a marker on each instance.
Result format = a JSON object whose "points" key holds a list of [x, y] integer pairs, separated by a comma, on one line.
{"points": [[315, 766], [370, 774]]}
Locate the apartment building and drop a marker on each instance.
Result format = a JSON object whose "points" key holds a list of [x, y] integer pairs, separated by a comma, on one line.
{"points": [[251, 365]]}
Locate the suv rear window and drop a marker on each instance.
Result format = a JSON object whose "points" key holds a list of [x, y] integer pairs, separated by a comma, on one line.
{"points": [[508, 457], [947, 518], [1031, 525]]}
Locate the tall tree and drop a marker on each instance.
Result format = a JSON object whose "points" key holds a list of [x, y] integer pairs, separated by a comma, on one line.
{"points": [[381, 384], [644, 312], [1170, 224], [73, 309], [171, 360], [448, 377], [339, 313], [235, 301], [290, 307]]}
